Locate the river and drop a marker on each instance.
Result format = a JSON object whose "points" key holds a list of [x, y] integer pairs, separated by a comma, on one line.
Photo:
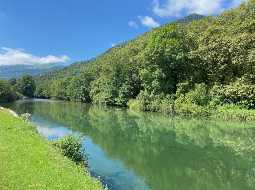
{"points": [[148, 151]]}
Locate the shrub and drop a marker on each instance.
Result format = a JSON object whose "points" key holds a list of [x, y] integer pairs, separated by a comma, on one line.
{"points": [[135, 104], [71, 147], [155, 103], [193, 102], [190, 109], [216, 94], [166, 104], [142, 102], [234, 112], [240, 93], [183, 88], [198, 96]]}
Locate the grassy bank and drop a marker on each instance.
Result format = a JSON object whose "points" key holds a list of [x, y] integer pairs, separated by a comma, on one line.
{"points": [[30, 162], [222, 112]]}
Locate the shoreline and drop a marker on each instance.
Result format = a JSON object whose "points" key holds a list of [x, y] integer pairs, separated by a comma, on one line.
{"points": [[227, 112], [10, 111], [41, 164]]}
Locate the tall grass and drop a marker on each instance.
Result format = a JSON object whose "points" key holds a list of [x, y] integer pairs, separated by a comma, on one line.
{"points": [[29, 162]]}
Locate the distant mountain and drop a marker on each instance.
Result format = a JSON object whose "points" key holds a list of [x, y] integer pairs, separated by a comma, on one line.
{"points": [[190, 18], [16, 71]]}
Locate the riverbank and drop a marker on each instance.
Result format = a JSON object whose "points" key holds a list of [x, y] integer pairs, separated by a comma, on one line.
{"points": [[29, 162], [226, 112], [125, 148]]}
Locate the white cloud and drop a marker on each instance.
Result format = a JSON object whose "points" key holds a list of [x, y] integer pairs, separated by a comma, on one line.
{"points": [[9, 56], [133, 24], [113, 44], [178, 7], [148, 21]]}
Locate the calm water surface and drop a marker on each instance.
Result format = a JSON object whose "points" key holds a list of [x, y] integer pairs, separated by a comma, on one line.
{"points": [[132, 151]]}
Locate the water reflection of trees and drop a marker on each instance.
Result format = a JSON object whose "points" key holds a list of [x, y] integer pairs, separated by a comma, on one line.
{"points": [[169, 154]]}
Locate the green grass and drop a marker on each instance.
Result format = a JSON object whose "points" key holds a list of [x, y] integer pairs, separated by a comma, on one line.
{"points": [[27, 161]]}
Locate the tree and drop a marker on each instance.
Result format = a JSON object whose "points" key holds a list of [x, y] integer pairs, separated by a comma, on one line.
{"points": [[79, 88], [13, 81], [26, 86], [6, 92], [154, 67], [165, 60]]}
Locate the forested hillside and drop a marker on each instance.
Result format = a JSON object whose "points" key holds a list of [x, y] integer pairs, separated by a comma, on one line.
{"points": [[180, 67], [15, 89]]}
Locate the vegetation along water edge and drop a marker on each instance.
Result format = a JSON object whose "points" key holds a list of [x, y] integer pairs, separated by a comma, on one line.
{"points": [[201, 66], [30, 162]]}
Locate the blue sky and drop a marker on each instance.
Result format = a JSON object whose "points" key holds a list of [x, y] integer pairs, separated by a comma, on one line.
{"points": [[65, 31]]}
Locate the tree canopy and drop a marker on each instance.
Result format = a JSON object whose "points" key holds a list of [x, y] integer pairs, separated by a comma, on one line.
{"points": [[208, 57]]}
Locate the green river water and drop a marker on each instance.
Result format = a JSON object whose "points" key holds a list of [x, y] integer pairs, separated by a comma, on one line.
{"points": [[148, 151]]}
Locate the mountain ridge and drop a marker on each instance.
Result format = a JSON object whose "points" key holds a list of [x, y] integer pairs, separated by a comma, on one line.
{"points": [[17, 71], [190, 18]]}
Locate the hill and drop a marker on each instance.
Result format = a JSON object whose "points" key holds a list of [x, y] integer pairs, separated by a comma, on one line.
{"points": [[16, 71], [76, 68], [196, 63], [191, 18]]}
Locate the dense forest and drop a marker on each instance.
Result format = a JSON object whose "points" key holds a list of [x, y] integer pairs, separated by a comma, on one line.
{"points": [[190, 66], [17, 88]]}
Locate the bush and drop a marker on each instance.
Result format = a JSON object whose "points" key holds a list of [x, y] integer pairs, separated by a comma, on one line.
{"points": [[142, 102], [167, 105], [183, 88], [216, 94], [198, 95], [155, 103], [71, 147], [234, 112], [193, 102], [190, 109], [135, 104], [240, 93]]}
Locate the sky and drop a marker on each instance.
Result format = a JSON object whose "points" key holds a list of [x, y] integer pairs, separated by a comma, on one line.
{"points": [[65, 31]]}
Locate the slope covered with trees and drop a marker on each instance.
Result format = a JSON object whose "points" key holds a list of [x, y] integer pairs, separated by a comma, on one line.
{"points": [[188, 66]]}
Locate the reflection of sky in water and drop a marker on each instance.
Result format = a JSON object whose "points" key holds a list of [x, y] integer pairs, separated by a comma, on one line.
{"points": [[112, 172], [133, 151], [53, 133], [49, 129]]}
